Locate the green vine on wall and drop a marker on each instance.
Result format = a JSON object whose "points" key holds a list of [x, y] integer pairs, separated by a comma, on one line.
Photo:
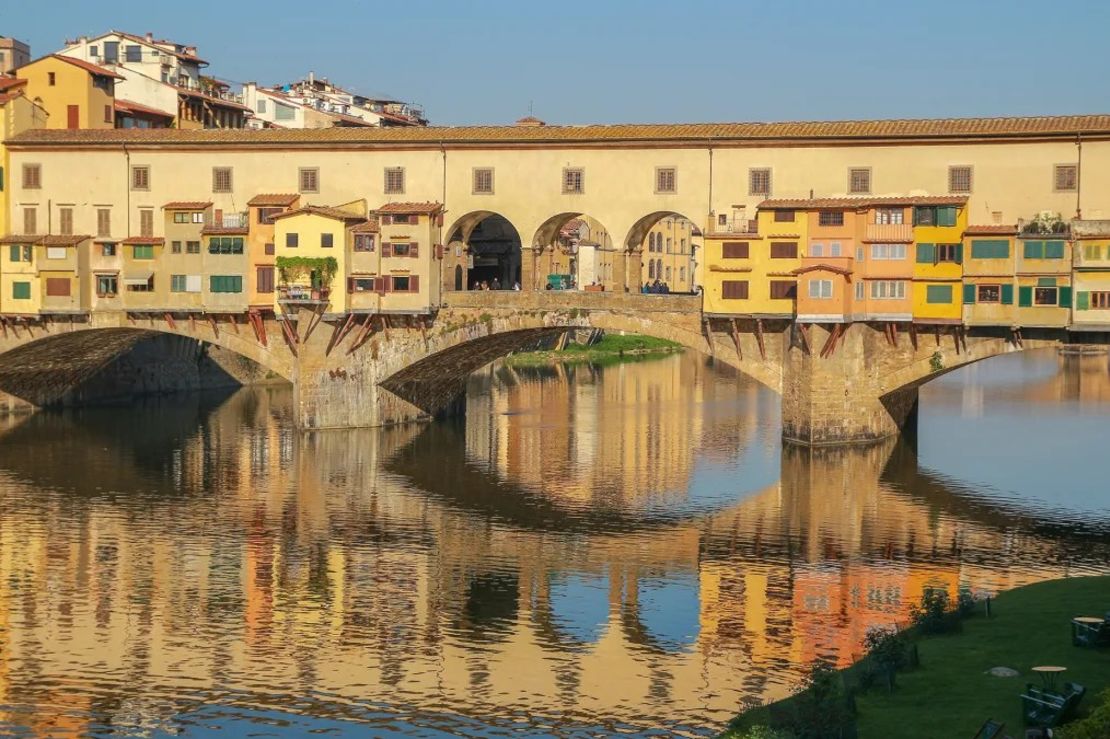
{"points": [[293, 268], [936, 362]]}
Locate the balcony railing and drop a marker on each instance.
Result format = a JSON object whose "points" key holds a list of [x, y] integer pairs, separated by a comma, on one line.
{"points": [[889, 232], [228, 220], [735, 226], [302, 294]]}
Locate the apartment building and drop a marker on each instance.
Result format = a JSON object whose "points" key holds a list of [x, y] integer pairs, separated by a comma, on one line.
{"points": [[13, 54]]}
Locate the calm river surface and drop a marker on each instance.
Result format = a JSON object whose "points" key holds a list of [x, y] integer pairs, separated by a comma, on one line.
{"points": [[626, 549]]}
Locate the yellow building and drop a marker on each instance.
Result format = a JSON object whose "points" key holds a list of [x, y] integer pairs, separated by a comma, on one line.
{"points": [[411, 256], [1044, 267], [988, 275], [1091, 254], [74, 93], [750, 267], [182, 262], [938, 228], [668, 253], [311, 255], [17, 114], [261, 245], [145, 287], [40, 274]]}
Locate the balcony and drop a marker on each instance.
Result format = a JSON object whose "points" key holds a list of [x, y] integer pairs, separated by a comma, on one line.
{"points": [[228, 221], [736, 226], [303, 294], [889, 233]]}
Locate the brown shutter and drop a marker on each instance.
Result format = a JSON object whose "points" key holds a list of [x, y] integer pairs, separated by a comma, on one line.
{"points": [[350, 284], [379, 285], [414, 250], [57, 286], [387, 219], [414, 284], [387, 249], [439, 251], [388, 284]]}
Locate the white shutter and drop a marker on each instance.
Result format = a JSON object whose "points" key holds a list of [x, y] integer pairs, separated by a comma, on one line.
{"points": [[192, 283]]}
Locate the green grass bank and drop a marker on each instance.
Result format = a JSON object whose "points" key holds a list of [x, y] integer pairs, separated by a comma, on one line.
{"points": [[611, 349], [951, 693]]}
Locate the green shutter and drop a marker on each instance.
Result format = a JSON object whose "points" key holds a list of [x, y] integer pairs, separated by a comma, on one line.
{"points": [[1054, 249], [1083, 300], [214, 283], [969, 294], [1007, 295], [1025, 296], [946, 215], [926, 254], [959, 253], [1065, 297], [938, 294], [21, 290], [990, 249], [1034, 250], [237, 283], [1, 179], [14, 252], [1046, 282]]}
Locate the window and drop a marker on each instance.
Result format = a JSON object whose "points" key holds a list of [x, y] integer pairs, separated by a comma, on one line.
{"points": [[221, 179], [1065, 177], [261, 105], [784, 250], [735, 250], [888, 289], [988, 294], [830, 218], [146, 222], [30, 220], [103, 221], [175, 247], [670, 249], [759, 181], [133, 53], [109, 114], [1097, 301], [394, 180], [179, 217], [225, 245], [225, 284], [177, 283], [309, 179], [573, 181], [931, 215], [483, 181], [58, 287], [327, 241], [21, 290], [400, 218], [959, 179], [859, 180], [784, 289], [668, 277], [990, 249], [889, 216], [56, 252], [399, 250], [784, 216], [859, 289], [888, 251], [1053, 249], [651, 269], [265, 281], [266, 215], [192, 247], [107, 249], [65, 221], [817, 250], [681, 274], [722, 219], [269, 248], [734, 289], [284, 112], [111, 52], [19, 253], [665, 179], [820, 288], [1092, 251], [140, 178], [364, 242], [401, 284], [938, 293], [94, 51], [1045, 296], [948, 253], [361, 285], [142, 251], [32, 176], [291, 241], [142, 287], [107, 286], [51, 78]]}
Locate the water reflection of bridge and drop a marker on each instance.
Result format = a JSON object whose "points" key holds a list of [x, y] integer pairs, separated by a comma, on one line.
{"points": [[470, 571]]}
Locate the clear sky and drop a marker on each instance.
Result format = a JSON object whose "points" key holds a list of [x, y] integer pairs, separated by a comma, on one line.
{"points": [[602, 61]]}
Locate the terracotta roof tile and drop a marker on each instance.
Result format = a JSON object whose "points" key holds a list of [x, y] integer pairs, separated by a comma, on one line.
{"points": [[87, 66], [984, 230], [273, 199], [814, 203], [822, 268], [322, 210], [187, 205], [144, 241], [843, 131], [128, 106], [208, 98], [66, 240], [7, 82], [21, 239], [410, 208], [369, 226]]}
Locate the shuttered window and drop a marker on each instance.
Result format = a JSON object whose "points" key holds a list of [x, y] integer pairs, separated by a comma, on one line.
{"points": [[784, 216], [959, 179], [140, 178], [146, 222], [859, 180], [265, 279], [734, 289], [404, 284], [225, 284], [65, 221], [221, 179], [784, 250], [830, 218], [665, 180], [990, 249], [759, 181], [483, 181], [225, 245], [142, 251], [103, 221], [177, 283], [58, 287], [1097, 300], [1065, 177], [735, 250], [938, 294], [574, 181], [309, 179], [32, 176], [394, 180], [783, 289], [21, 290], [1053, 249], [30, 220]]}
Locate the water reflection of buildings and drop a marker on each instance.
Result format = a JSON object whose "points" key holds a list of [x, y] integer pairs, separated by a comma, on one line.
{"points": [[470, 572]]}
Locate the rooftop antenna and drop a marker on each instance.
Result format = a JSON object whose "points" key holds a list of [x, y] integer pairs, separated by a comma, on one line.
{"points": [[529, 107]]}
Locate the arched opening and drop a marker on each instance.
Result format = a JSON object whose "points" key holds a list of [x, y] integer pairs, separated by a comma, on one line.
{"points": [[664, 253], [574, 251], [486, 250]]}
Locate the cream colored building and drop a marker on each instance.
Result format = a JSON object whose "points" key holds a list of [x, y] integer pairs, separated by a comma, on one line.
{"points": [[669, 252]]}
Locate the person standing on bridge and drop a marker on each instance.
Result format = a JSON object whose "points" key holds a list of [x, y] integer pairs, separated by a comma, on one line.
{"points": [[496, 284]]}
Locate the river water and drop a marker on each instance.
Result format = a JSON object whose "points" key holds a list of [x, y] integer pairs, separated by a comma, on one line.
{"points": [[626, 549]]}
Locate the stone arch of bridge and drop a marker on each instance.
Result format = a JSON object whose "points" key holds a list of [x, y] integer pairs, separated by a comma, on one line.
{"points": [[482, 245], [578, 244], [635, 246], [40, 366]]}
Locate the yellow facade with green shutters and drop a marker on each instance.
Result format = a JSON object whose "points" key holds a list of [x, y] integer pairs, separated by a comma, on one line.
{"points": [[938, 261], [1043, 267], [1091, 277], [20, 290], [989, 286]]}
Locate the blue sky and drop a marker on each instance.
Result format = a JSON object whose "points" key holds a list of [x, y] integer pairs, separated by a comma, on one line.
{"points": [[600, 61]]}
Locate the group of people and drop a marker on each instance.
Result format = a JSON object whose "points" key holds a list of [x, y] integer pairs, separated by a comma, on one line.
{"points": [[495, 284], [656, 287]]}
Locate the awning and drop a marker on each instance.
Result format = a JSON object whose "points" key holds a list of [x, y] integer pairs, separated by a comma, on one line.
{"points": [[137, 278]]}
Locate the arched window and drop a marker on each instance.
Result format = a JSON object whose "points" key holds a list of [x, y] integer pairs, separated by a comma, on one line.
{"points": [[651, 269], [668, 274]]}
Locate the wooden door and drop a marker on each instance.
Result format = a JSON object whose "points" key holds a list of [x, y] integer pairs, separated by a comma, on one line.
{"points": [[72, 117]]}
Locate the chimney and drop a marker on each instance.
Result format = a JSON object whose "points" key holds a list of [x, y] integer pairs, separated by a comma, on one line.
{"points": [[530, 121], [149, 37], [311, 77]]}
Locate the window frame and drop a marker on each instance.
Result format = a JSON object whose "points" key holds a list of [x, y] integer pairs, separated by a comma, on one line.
{"points": [[1057, 169], [953, 169], [660, 174], [820, 284], [852, 173], [980, 288], [756, 172], [830, 218], [741, 287], [140, 178], [217, 173], [781, 216], [32, 176], [1045, 289], [884, 216], [578, 187], [314, 174], [475, 174], [393, 187]]}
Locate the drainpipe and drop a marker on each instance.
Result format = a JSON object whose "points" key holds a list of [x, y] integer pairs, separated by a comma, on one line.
{"points": [[1078, 173], [443, 215], [709, 208], [127, 190]]}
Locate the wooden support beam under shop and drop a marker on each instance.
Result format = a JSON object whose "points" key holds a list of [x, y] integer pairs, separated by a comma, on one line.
{"points": [[736, 340], [170, 322], [1015, 338], [215, 326], [913, 336], [314, 321], [340, 331], [707, 330], [936, 333], [235, 322], [803, 330], [4, 326], [424, 330], [363, 334], [956, 339], [259, 326], [289, 333], [759, 338]]}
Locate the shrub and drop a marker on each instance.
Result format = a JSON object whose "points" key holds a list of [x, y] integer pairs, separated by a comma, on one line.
{"points": [[934, 616], [887, 651], [1095, 726], [822, 707], [965, 602], [765, 732]]}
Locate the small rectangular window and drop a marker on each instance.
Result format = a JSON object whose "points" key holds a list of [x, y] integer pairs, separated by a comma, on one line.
{"points": [[401, 284], [364, 242], [309, 179], [65, 221], [177, 283], [133, 53], [146, 222], [947, 253], [400, 249], [735, 250], [192, 247], [221, 179], [988, 294], [1066, 177], [784, 216], [665, 180], [30, 220], [291, 240], [759, 181], [32, 176], [327, 241], [142, 251], [175, 247], [784, 250], [888, 289], [938, 294], [56, 252], [1045, 295], [394, 180], [859, 180], [734, 289], [959, 179], [21, 290], [820, 289], [784, 289], [107, 286], [888, 216], [140, 177], [265, 279], [830, 218], [103, 222], [483, 181], [107, 250], [573, 181]]}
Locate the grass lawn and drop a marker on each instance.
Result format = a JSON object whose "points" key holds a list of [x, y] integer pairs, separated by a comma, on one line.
{"points": [[950, 696], [611, 348]]}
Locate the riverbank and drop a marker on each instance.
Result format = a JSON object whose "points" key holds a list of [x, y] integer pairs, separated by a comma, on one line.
{"points": [[952, 693], [612, 348]]}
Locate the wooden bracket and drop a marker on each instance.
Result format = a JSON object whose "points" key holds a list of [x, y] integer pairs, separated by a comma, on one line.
{"points": [[707, 331], [214, 325], [170, 322], [259, 326], [736, 340], [363, 334], [830, 344], [234, 322], [340, 332], [913, 336], [759, 338], [803, 329]]}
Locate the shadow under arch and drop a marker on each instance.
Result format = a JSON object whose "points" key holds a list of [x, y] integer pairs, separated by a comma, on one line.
{"points": [[577, 244], [490, 248]]}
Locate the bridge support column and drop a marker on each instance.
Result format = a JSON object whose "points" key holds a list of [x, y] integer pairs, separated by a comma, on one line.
{"points": [[528, 268], [838, 398], [634, 270]]}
